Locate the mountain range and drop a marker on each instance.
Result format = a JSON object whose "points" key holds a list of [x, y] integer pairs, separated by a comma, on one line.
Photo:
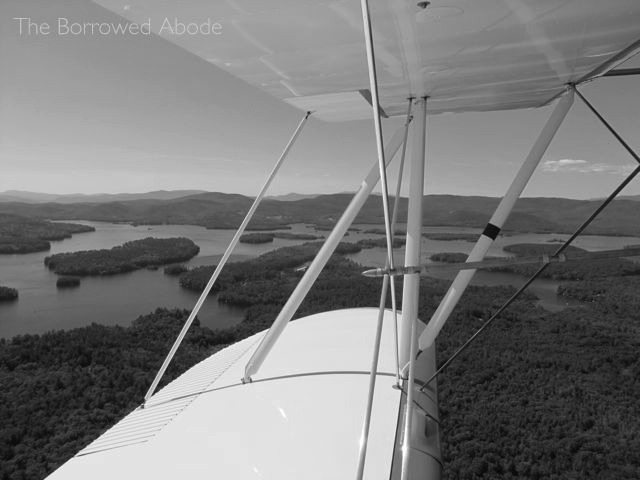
{"points": [[36, 197], [222, 210]]}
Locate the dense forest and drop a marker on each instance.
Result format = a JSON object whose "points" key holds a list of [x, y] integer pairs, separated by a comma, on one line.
{"points": [[539, 395], [123, 258], [219, 210], [25, 235]]}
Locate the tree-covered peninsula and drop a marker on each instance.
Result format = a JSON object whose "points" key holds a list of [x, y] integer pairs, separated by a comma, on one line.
{"points": [[25, 235], [123, 258]]}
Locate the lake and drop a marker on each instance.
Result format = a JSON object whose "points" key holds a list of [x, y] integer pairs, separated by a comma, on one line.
{"points": [[119, 299]]}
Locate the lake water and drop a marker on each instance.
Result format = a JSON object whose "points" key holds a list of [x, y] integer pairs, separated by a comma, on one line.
{"points": [[119, 299]]}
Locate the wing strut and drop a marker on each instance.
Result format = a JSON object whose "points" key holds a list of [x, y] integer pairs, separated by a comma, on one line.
{"points": [[496, 222], [562, 248], [394, 218], [411, 285], [364, 437], [225, 257], [318, 263]]}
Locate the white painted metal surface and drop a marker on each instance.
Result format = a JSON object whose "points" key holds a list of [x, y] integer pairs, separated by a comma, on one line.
{"points": [[466, 55], [300, 418], [460, 283], [411, 283], [321, 259]]}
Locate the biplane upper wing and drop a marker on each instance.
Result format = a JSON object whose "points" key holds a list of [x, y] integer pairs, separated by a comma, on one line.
{"points": [[466, 55]]}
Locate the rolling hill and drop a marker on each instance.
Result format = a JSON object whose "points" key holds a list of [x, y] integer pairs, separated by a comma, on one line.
{"points": [[222, 210]]}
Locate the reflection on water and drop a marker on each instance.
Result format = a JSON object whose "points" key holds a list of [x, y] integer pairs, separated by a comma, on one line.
{"points": [[119, 299]]}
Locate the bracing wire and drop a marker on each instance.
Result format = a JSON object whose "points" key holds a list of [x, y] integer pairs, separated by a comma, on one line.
{"points": [[375, 104], [542, 268]]}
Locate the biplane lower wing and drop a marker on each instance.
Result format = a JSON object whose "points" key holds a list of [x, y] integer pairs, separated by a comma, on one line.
{"points": [[300, 417]]}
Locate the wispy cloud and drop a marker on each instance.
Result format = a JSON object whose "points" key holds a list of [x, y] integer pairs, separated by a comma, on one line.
{"points": [[583, 166]]}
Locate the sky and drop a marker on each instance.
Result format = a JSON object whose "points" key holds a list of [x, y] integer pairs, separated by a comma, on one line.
{"points": [[94, 114]]}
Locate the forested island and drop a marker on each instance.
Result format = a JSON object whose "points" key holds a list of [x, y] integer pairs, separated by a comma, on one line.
{"points": [[25, 235], [123, 258], [382, 231], [8, 294], [268, 237], [256, 238], [449, 257], [445, 236], [380, 242], [67, 282], [539, 395], [175, 270]]}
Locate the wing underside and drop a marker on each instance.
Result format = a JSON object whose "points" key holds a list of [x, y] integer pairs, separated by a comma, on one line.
{"points": [[466, 55]]}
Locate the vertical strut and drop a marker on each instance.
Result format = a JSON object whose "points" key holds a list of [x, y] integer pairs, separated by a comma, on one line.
{"points": [[497, 221], [225, 257], [411, 283], [394, 217], [411, 287], [364, 437], [321, 259]]}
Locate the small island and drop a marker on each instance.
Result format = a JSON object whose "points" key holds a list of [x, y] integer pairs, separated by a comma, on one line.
{"points": [[448, 237], [267, 237], [297, 236], [26, 235], [449, 257], [380, 242], [68, 282], [8, 294], [175, 270], [123, 258], [256, 238], [382, 231]]}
